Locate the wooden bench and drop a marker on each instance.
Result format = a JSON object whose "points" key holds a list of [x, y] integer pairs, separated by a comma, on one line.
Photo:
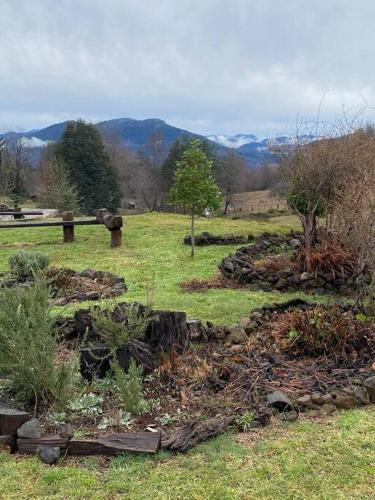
{"points": [[112, 222]]}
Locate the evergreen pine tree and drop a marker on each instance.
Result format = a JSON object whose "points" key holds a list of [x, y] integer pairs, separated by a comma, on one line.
{"points": [[56, 189], [82, 151]]}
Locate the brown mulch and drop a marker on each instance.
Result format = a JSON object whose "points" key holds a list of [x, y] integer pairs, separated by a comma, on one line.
{"points": [[197, 285]]}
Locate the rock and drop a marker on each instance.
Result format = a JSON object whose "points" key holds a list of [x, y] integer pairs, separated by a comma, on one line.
{"points": [[256, 315], [294, 243], [306, 403], [290, 416], [251, 327], [305, 276], [237, 336], [281, 284], [30, 430], [317, 398], [328, 408], [361, 395], [280, 401], [369, 385], [295, 279], [344, 400], [48, 454]]}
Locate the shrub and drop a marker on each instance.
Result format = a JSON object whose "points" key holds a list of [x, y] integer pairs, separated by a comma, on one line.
{"points": [[29, 354], [324, 331], [130, 387], [25, 265], [124, 323]]}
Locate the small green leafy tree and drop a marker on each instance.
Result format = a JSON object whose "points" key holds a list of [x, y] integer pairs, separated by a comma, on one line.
{"points": [[194, 187]]}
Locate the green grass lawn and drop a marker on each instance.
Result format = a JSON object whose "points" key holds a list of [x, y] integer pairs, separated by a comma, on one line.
{"points": [[153, 258], [330, 459], [313, 460]]}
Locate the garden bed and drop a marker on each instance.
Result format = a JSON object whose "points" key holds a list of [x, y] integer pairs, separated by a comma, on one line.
{"points": [[67, 285]]}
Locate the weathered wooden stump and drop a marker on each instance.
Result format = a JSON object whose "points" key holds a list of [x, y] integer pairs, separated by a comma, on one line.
{"points": [[113, 224], [11, 420], [68, 231]]}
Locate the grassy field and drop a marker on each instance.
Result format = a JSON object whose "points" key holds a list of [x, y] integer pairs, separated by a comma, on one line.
{"points": [[154, 259], [323, 459]]}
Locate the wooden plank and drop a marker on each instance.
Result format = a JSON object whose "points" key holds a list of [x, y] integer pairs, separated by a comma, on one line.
{"points": [[138, 442], [30, 445], [21, 213], [11, 420], [13, 225]]}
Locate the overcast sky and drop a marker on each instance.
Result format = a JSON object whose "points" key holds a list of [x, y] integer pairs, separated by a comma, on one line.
{"points": [[210, 66]]}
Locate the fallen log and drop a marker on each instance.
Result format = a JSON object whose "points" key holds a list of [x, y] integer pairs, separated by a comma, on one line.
{"points": [[25, 445], [11, 420], [139, 442], [195, 432]]}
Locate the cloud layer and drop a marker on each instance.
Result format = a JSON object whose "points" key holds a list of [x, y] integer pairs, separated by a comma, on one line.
{"points": [[210, 66]]}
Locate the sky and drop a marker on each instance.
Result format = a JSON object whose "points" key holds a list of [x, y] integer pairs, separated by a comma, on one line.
{"points": [[209, 66]]}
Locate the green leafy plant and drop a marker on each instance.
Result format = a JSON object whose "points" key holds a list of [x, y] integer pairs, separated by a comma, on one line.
{"points": [[121, 419], [130, 387], [87, 405], [246, 421], [24, 265], [29, 353], [115, 334], [168, 419]]}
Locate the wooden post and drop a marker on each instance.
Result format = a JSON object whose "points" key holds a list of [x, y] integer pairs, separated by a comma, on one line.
{"points": [[17, 215], [113, 224], [116, 238], [68, 231]]}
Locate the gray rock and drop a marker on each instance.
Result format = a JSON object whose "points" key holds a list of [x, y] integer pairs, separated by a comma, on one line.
{"points": [[294, 243], [369, 385], [280, 401], [237, 336], [48, 454], [344, 400], [290, 416], [281, 283], [30, 430]]}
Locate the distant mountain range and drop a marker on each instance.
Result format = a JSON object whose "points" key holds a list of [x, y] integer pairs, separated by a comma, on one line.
{"points": [[135, 134]]}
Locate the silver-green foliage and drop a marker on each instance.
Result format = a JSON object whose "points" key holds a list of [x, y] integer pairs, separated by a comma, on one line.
{"points": [[29, 352], [25, 264], [116, 334]]}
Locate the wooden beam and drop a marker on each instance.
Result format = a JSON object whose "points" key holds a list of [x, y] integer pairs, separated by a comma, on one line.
{"points": [[31, 212], [14, 225], [30, 445], [139, 442]]}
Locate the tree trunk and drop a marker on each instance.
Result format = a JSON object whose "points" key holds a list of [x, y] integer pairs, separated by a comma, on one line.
{"points": [[226, 203], [192, 234], [309, 223]]}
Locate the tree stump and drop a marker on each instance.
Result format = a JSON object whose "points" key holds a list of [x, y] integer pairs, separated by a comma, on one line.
{"points": [[68, 231], [167, 330]]}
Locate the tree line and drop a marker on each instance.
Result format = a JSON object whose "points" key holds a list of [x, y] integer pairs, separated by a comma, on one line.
{"points": [[84, 171]]}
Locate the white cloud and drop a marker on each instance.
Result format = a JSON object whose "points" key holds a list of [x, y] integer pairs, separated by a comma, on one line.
{"points": [[210, 66]]}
